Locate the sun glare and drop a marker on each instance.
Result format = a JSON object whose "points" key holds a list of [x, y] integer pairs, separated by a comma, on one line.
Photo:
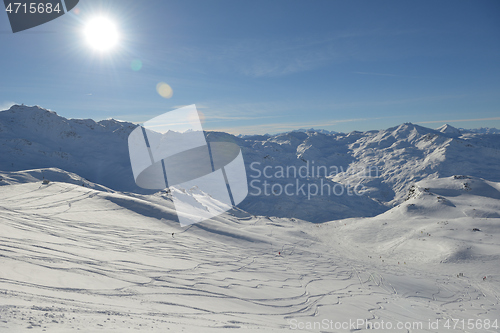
{"points": [[101, 34]]}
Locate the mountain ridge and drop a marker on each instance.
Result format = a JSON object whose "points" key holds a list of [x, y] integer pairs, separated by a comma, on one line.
{"points": [[396, 158]]}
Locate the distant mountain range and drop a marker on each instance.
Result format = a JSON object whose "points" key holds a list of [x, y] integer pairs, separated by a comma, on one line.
{"points": [[380, 165], [482, 130], [446, 128]]}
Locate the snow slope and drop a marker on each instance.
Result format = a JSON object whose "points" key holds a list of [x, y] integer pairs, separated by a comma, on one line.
{"points": [[387, 163], [33, 138], [450, 224], [89, 251], [383, 164], [80, 259]]}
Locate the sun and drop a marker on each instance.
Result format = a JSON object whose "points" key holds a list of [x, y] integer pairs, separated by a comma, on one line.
{"points": [[101, 34]]}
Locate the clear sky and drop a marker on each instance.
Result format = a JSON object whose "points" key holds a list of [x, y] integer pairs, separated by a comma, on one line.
{"points": [[266, 66]]}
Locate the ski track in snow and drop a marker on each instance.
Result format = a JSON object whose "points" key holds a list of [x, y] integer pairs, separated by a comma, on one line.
{"points": [[72, 260]]}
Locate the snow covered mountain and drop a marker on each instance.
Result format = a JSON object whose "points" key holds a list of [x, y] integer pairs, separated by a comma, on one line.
{"points": [[386, 163], [418, 245], [33, 137], [451, 220], [448, 129], [482, 130], [305, 130], [307, 175], [79, 258]]}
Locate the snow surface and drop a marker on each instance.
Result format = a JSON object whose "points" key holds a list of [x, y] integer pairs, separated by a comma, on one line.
{"points": [[83, 249], [398, 157], [75, 258]]}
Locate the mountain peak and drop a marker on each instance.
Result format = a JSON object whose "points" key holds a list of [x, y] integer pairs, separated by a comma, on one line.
{"points": [[448, 129], [405, 130], [27, 108]]}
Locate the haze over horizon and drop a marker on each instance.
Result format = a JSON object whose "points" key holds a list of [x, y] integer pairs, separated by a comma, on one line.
{"points": [[317, 129]]}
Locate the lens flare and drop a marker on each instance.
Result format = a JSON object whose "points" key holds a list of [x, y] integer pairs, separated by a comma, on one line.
{"points": [[164, 90], [136, 65]]}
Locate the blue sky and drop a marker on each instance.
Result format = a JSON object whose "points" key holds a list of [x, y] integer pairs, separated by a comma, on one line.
{"points": [[267, 66]]}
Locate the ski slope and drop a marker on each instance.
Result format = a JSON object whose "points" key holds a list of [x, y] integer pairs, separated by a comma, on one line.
{"points": [[78, 258]]}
